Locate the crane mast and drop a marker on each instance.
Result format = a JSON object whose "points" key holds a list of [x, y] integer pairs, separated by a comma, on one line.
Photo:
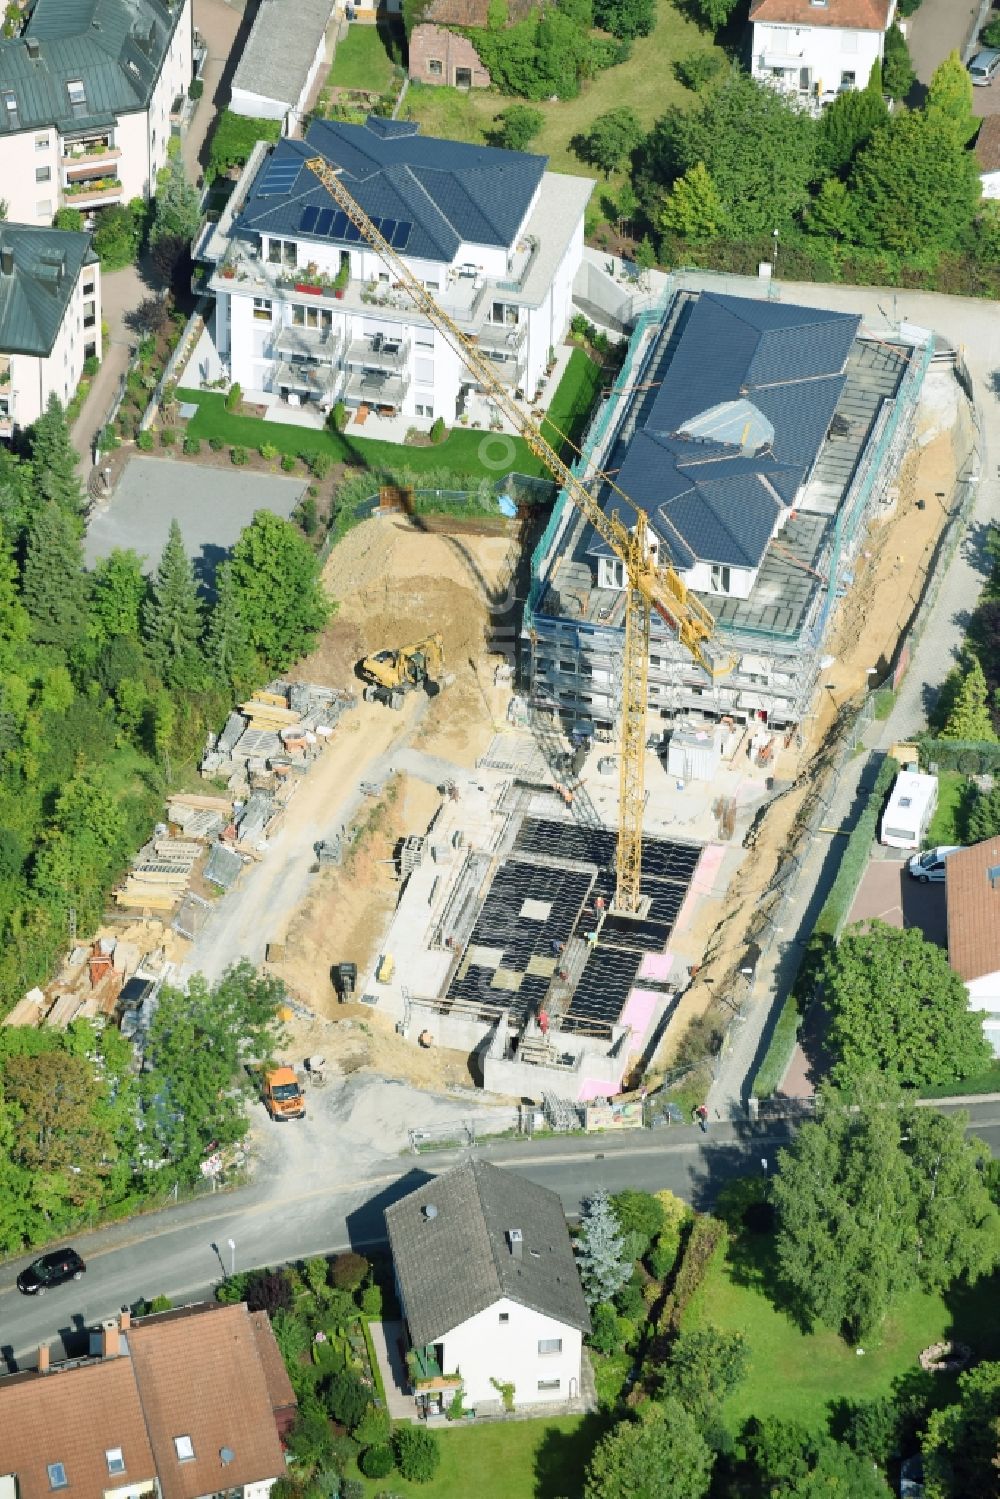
{"points": [[647, 584]]}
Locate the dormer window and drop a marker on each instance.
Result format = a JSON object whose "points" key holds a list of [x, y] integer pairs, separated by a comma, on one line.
{"points": [[184, 1447], [116, 1460], [77, 95], [10, 105], [57, 1476]]}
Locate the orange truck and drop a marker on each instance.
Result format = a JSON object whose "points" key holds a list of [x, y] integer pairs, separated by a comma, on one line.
{"points": [[283, 1098]]}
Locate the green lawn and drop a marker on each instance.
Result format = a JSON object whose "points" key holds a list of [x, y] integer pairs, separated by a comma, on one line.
{"points": [[462, 452], [542, 1459], [795, 1375], [944, 826], [361, 61], [646, 83]]}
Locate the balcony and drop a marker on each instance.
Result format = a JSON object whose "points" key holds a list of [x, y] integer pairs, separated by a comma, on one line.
{"points": [[319, 380], [379, 390], [425, 1372], [379, 353], [321, 344], [97, 158], [92, 194], [506, 338], [507, 371]]}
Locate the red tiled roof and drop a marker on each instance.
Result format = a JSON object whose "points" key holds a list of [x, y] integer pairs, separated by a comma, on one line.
{"points": [[851, 15], [973, 910], [988, 144]]}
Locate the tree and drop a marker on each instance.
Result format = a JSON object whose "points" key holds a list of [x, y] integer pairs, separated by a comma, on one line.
{"points": [[603, 1268], [895, 1004], [53, 1098], [703, 1366], [661, 1456], [118, 591], [970, 713], [957, 1223], [229, 650], [611, 139], [54, 461], [713, 13], [177, 209], [117, 235], [626, 18], [984, 817], [14, 622], [846, 125], [831, 213], [961, 1445], [516, 126], [346, 1398], [638, 1213], [793, 1463], [950, 97], [898, 75], [83, 846], [53, 586], [418, 1452], [693, 207], [172, 618], [277, 581], [68, 218]]}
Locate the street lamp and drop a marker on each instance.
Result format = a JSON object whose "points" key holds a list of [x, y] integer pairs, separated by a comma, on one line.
{"points": [[774, 262], [232, 1256]]}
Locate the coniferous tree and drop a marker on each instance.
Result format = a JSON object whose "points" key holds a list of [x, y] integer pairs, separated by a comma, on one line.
{"points": [[53, 586], [172, 618], [970, 714], [119, 591], [229, 650], [14, 623], [600, 1250], [54, 461]]}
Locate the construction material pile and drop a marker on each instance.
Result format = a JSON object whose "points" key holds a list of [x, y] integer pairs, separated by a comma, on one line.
{"points": [[163, 868], [277, 733], [89, 985]]}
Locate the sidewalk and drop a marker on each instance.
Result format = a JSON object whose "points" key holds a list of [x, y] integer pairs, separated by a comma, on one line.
{"points": [[121, 291], [218, 22]]}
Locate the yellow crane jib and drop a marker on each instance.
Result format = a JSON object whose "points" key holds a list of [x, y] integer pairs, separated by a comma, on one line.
{"points": [[647, 585]]}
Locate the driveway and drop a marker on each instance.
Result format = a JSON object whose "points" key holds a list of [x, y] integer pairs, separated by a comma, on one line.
{"points": [[887, 893], [120, 292], [219, 24], [938, 28], [212, 505]]}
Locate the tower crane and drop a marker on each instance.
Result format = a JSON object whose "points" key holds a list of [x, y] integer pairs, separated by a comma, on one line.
{"points": [[648, 585]]}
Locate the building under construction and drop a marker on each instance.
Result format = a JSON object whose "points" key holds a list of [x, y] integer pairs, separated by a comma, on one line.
{"points": [[760, 438]]}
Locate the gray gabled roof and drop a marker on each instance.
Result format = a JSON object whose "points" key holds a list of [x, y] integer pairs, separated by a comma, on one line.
{"points": [[115, 48], [34, 298], [281, 47], [456, 1262], [439, 194]]}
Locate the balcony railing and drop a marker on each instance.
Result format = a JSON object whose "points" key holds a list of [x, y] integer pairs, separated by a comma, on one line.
{"points": [[507, 337], [379, 353], [315, 343], [425, 1372], [92, 160], [104, 190], [314, 379], [371, 389]]}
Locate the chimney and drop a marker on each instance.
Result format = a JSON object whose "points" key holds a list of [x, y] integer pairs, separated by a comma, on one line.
{"points": [[109, 1339], [32, 47], [516, 1239], [43, 1358], [124, 1319], [7, 261]]}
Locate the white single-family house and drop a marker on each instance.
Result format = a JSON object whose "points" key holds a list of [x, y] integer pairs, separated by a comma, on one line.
{"points": [[307, 314], [816, 49], [972, 888], [50, 319], [488, 1288]]}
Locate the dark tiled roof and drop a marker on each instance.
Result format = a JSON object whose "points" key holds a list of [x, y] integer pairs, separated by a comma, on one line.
{"points": [[34, 298], [113, 47], [449, 192], [765, 365], [457, 1262]]}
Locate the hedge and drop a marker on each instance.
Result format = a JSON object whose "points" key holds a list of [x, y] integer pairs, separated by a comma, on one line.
{"points": [[852, 865], [704, 1239], [234, 138], [971, 757]]}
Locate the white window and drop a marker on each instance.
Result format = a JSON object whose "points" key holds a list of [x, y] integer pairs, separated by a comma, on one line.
{"points": [[184, 1447], [549, 1384], [425, 372], [43, 174], [720, 578], [41, 143], [422, 409], [434, 67], [424, 338], [262, 309], [10, 101], [76, 92], [550, 1345], [116, 1460], [88, 288], [283, 252], [848, 80], [57, 1476]]}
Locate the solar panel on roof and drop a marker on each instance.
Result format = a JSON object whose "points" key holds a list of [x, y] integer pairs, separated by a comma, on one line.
{"points": [[387, 228], [307, 223], [352, 234], [323, 222], [401, 234], [279, 178], [339, 224]]}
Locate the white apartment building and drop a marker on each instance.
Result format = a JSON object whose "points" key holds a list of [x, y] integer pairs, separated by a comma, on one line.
{"points": [[86, 92], [50, 319], [307, 314], [816, 49]]}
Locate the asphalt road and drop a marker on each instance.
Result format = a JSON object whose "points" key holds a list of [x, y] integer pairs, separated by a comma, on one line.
{"points": [[183, 1251]]}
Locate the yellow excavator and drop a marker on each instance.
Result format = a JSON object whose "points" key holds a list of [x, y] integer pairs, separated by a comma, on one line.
{"points": [[389, 675]]}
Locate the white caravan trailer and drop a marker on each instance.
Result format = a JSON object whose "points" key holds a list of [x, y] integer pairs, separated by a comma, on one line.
{"points": [[911, 806]]}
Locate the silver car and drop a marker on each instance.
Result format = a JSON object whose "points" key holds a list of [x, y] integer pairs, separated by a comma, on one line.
{"points": [[984, 67]]}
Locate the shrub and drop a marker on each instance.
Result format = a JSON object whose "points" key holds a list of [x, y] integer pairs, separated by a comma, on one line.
{"points": [[374, 1429], [315, 1272], [108, 439], [192, 445], [91, 365], [349, 1271], [376, 1462], [168, 436], [196, 88], [629, 1301], [418, 1453], [663, 1256], [144, 441], [216, 444], [268, 1291], [437, 430], [337, 420], [234, 138], [347, 1399], [232, 1289], [640, 1213], [68, 218], [238, 456], [371, 1301], [234, 396], [308, 516], [605, 1336], [268, 451], [321, 464], [352, 1488], [288, 463], [698, 69]]}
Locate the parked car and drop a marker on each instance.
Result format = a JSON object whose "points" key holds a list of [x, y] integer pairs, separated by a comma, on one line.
{"points": [[983, 68], [50, 1270], [930, 865]]}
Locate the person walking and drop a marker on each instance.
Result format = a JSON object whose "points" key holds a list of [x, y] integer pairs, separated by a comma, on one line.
{"points": [[701, 1113]]}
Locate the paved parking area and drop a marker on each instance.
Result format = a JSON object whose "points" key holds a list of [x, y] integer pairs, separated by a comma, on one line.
{"points": [[212, 506], [888, 893]]}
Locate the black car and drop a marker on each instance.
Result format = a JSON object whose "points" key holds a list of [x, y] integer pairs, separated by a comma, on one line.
{"points": [[51, 1270]]}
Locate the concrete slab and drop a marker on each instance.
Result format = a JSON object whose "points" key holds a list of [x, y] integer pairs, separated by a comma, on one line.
{"points": [[387, 1341], [887, 893], [211, 505]]}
